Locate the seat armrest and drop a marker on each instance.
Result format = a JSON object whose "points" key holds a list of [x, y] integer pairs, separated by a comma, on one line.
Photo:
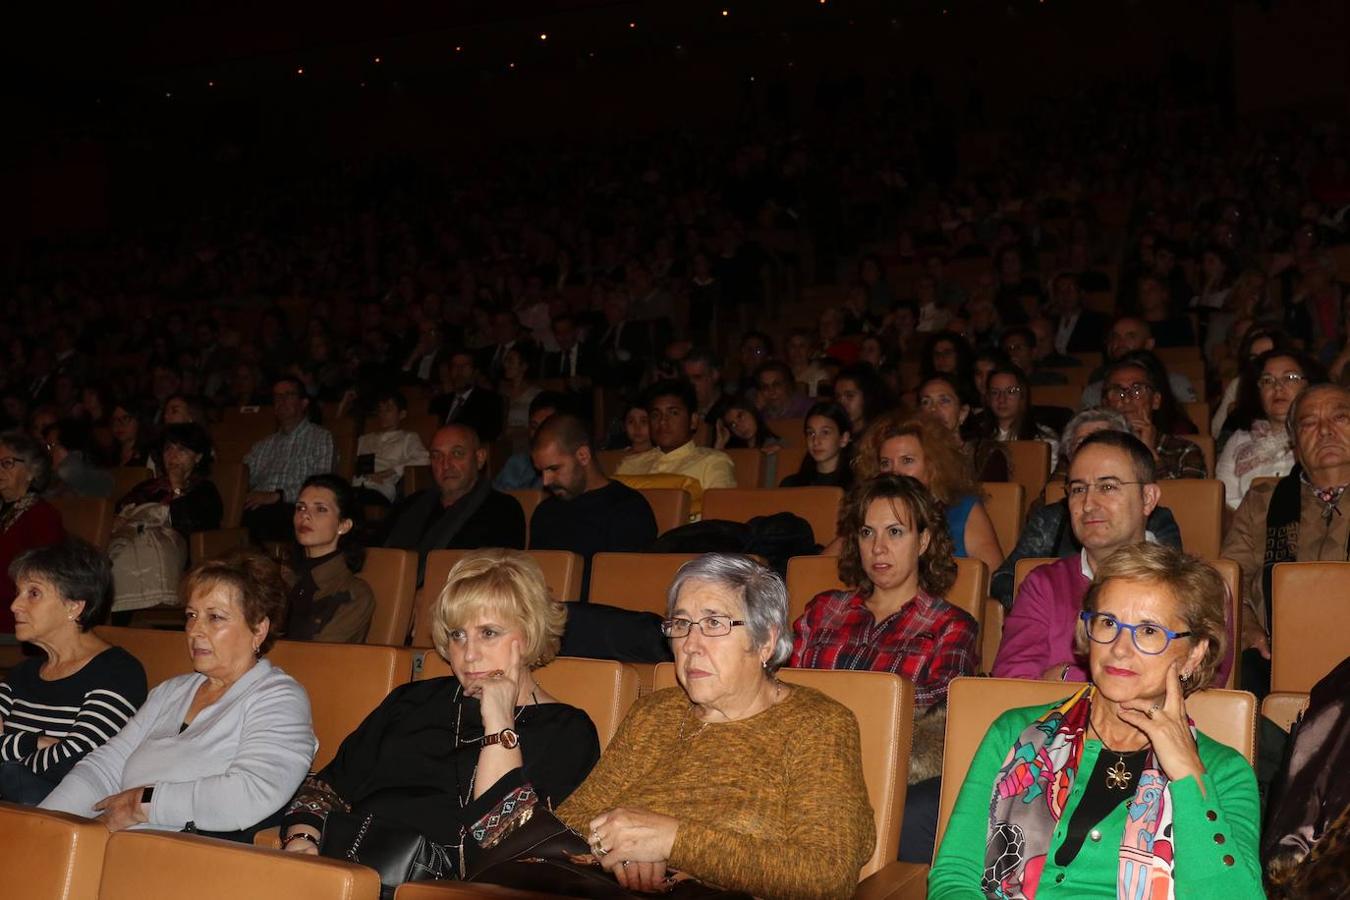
{"points": [[271, 838], [895, 881]]}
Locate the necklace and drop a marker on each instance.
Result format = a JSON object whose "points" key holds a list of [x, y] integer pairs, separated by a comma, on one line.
{"points": [[1118, 777]]}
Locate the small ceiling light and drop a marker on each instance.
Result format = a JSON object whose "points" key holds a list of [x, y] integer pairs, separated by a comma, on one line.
{"points": [[377, 60], [210, 84], [510, 65], [543, 36], [459, 49], [300, 70], [632, 24], [726, 12]]}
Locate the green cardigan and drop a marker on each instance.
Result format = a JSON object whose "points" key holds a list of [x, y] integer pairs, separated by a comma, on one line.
{"points": [[1217, 836]]}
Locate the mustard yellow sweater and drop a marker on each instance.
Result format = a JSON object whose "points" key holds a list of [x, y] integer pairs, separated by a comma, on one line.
{"points": [[773, 805]]}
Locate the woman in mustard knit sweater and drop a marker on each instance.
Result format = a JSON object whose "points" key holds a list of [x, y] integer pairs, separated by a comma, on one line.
{"points": [[734, 777]]}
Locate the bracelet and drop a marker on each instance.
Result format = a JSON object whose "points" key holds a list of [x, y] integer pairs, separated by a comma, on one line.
{"points": [[302, 836], [1064, 673]]}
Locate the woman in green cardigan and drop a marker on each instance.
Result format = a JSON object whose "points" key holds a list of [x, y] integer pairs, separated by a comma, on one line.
{"points": [[1112, 793]]}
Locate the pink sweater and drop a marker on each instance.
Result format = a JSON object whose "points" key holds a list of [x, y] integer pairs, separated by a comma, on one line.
{"points": [[1039, 631]]}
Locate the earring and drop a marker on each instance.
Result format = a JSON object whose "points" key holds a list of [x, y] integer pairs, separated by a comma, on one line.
{"points": [[1185, 677]]}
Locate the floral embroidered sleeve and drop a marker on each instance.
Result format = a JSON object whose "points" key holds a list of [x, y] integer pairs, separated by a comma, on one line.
{"points": [[312, 804]]}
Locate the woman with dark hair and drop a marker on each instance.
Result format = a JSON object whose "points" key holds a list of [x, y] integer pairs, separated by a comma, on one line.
{"points": [[743, 425], [131, 433], [863, 394], [56, 707], [897, 561], [829, 449], [1257, 340], [1261, 446], [1007, 414], [327, 602], [947, 353], [26, 520], [947, 401], [155, 519]]}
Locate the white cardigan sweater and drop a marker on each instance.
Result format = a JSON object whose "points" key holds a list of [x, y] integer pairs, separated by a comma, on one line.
{"points": [[239, 761]]}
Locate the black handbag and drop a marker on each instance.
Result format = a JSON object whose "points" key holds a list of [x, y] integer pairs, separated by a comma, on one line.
{"points": [[545, 856], [396, 853]]}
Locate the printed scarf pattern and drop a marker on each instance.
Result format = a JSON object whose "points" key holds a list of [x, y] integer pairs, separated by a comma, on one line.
{"points": [[1029, 798]]}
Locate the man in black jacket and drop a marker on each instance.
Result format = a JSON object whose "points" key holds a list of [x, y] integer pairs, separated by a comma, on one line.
{"points": [[470, 403], [462, 511]]}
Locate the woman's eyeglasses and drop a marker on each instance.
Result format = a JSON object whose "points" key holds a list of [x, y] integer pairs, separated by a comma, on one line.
{"points": [[10, 462], [1120, 393], [711, 626], [1288, 379], [1150, 639]]}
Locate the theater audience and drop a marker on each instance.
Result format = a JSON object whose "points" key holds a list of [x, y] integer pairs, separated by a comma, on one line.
{"points": [[670, 406], [1112, 791], [326, 601], [517, 387], [701, 369], [742, 426], [585, 512], [863, 394], [1299, 518], [829, 449], [78, 691], [465, 401], [1257, 340], [1077, 330], [1020, 346], [922, 447], [132, 436], [184, 486], [518, 472], [657, 799], [462, 511], [74, 474], [440, 754], [1048, 530], [1136, 388], [223, 748], [776, 392], [279, 463], [637, 429], [386, 450], [1260, 445], [26, 520], [893, 617]]}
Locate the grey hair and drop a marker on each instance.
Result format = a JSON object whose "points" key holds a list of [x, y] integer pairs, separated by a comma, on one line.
{"points": [[1291, 417], [34, 457], [761, 590], [1068, 440]]}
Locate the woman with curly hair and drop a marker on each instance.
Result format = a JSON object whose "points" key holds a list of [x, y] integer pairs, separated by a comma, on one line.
{"points": [[922, 447], [897, 562]]}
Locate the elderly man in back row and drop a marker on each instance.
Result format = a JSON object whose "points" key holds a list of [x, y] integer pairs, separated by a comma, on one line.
{"points": [[1300, 518]]}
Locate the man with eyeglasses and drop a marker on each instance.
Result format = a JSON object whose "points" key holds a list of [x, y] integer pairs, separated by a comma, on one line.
{"points": [[1131, 390], [279, 463], [1301, 518], [1112, 490]]}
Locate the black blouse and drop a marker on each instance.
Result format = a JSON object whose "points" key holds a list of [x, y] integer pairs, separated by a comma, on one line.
{"points": [[402, 762], [1099, 799]]}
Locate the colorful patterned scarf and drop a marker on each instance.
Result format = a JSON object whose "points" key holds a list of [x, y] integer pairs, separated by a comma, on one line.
{"points": [[1030, 795]]}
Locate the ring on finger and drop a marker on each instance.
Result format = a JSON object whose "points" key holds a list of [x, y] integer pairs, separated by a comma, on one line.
{"points": [[626, 862]]}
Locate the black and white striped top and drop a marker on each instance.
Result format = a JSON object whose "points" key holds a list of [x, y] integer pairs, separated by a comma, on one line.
{"points": [[82, 711]]}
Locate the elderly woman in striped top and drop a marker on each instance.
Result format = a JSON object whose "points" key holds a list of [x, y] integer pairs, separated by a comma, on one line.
{"points": [[57, 707]]}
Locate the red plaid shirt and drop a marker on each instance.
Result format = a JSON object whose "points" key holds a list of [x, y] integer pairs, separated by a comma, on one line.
{"points": [[927, 640]]}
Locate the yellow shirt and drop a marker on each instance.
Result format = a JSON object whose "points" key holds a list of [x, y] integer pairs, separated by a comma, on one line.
{"points": [[710, 468]]}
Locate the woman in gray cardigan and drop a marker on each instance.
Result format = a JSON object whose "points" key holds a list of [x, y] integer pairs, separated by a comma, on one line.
{"points": [[220, 750]]}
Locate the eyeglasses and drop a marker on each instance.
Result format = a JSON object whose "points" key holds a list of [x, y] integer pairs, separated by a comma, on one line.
{"points": [[711, 626], [1150, 639], [1079, 490], [1288, 379], [10, 462], [1000, 393], [1120, 393]]}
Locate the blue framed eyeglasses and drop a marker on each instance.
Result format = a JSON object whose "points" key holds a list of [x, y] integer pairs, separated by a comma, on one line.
{"points": [[1150, 639]]}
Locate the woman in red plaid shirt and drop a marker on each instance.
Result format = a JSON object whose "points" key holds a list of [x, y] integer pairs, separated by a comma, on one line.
{"points": [[897, 556]]}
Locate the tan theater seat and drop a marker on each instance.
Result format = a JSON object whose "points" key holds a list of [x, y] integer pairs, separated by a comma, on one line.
{"points": [[528, 499], [1197, 505], [749, 464], [670, 507], [562, 575], [454, 890], [973, 704], [1004, 501], [163, 654], [204, 545], [635, 581], [127, 477], [1030, 468], [231, 481], [792, 432], [817, 505], [884, 707], [151, 865], [88, 518], [392, 576], [603, 688], [1025, 566], [1284, 707], [344, 682], [1310, 602], [49, 855]]}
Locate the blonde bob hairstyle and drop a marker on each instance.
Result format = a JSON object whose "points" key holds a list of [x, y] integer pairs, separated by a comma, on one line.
{"points": [[505, 583], [1199, 591]]}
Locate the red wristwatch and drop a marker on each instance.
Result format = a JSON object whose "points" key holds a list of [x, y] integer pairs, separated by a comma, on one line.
{"points": [[506, 737]]}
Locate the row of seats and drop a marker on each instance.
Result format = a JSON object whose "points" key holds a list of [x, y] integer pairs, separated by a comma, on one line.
{"points": [[64, 858]]}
